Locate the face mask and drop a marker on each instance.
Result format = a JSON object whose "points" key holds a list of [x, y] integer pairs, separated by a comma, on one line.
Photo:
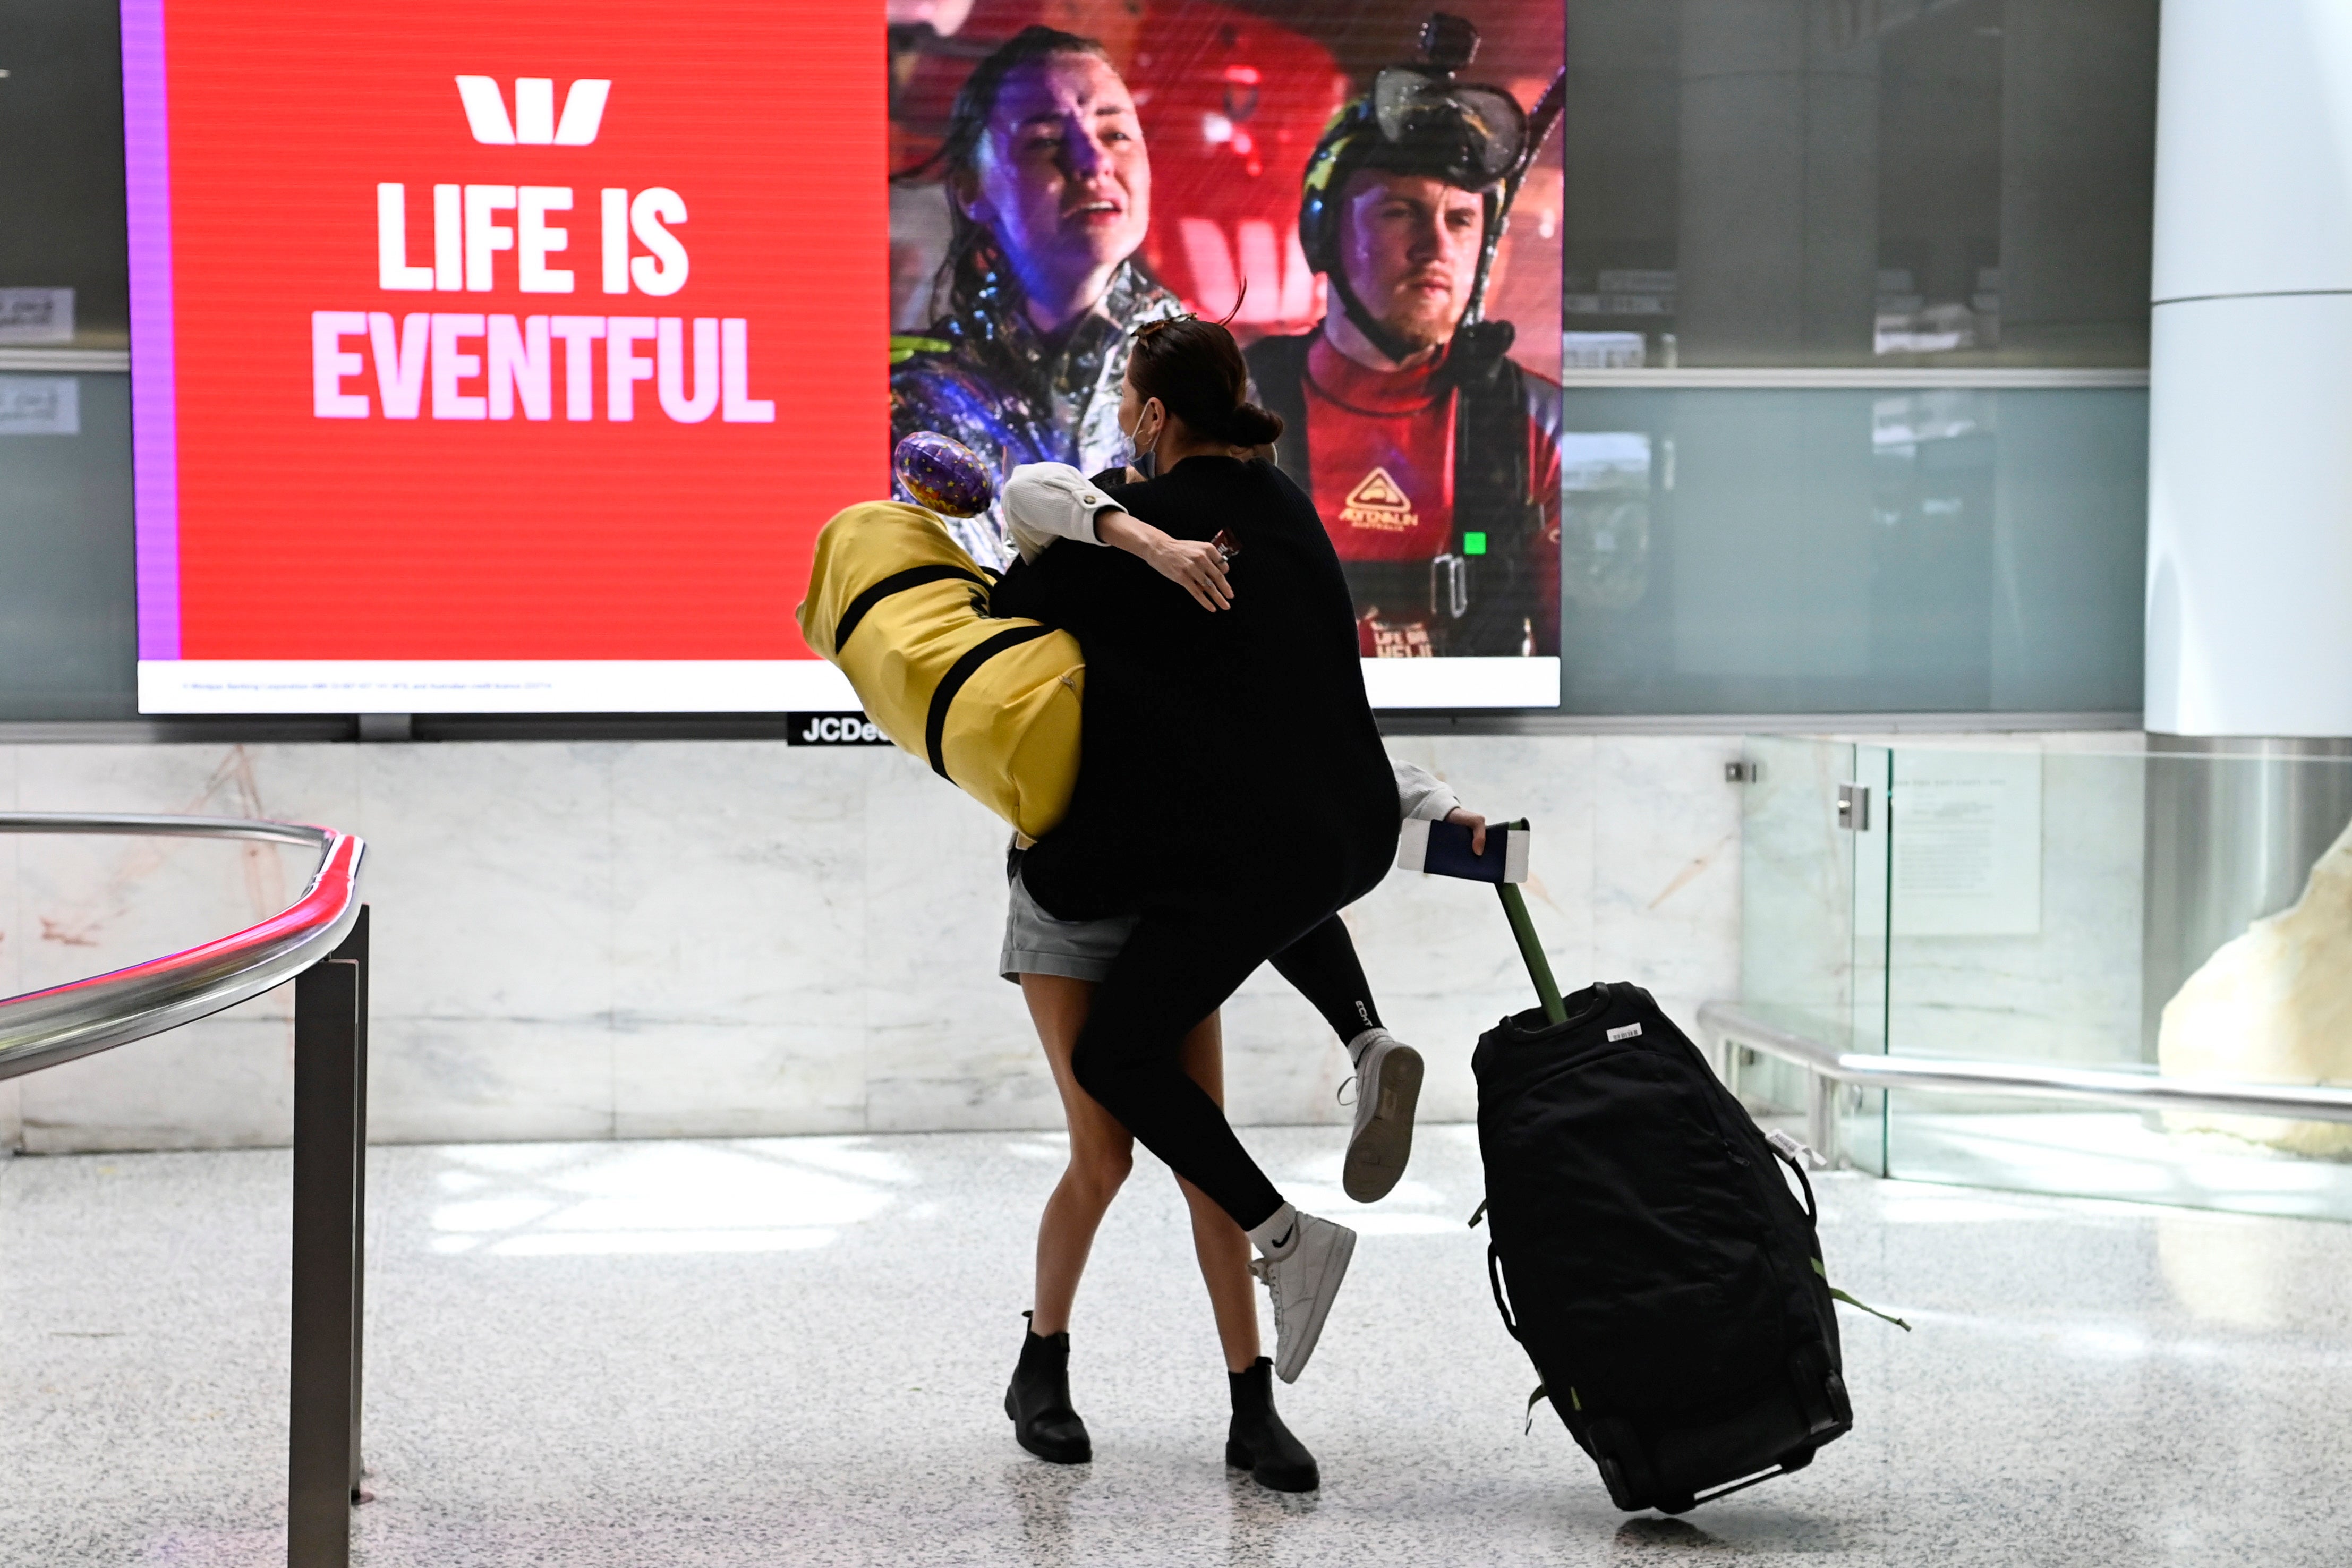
{"points": [[1140, 458]]}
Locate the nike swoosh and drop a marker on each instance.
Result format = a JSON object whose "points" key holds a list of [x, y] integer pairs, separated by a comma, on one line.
{"points": [[1282, 1240]]}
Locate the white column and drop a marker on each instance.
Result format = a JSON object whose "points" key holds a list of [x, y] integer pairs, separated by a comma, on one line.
{"points": [[2250, 491], [2250, 417]]}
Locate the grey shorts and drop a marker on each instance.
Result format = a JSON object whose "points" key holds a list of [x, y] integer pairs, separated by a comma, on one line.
{"points": [[1037, 943]]}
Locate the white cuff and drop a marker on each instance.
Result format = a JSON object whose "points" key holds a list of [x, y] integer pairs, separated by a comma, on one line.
{"points": [[1046, 501], [1421, 793]]}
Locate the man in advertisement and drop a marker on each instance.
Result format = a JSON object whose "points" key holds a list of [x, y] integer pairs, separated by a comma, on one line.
{"points": [[1049, 196], [1432, 457]]}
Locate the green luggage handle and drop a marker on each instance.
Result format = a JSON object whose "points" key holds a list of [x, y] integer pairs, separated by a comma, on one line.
{"points": [[1515, 908]]}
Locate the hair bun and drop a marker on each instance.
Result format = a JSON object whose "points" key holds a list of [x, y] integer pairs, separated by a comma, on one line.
{"points": [[1250, 426]]}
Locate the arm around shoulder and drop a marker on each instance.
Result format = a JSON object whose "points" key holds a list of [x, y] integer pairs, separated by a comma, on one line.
{"points": [[1048, 501]]}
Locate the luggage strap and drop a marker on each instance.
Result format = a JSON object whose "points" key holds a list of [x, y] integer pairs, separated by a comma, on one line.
{"points": [[1813, 1210], [1494, 1281], [1857, 1301], [1812, 1213], [897, 582], [935, 728]]}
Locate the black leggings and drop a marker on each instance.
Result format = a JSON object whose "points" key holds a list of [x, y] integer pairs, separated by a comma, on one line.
{"points": [[1179, 967], [1322, 966]]}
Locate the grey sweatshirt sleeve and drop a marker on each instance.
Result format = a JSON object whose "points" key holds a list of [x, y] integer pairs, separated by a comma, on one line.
{"points": [[1421, 793], [1046, 501]]}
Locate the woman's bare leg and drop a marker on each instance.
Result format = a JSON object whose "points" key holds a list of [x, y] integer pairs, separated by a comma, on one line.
{"points": [[1223, 1250], [1101, 1153]]}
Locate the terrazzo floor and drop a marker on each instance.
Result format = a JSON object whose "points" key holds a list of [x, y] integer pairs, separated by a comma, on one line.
{"points": [[793, 1351]]}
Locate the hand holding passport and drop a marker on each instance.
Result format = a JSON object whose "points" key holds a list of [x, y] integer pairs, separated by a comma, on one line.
{"points": [[1443, 849]]}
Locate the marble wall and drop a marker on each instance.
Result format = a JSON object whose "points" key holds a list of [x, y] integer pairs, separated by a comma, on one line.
{"points": [[689, 938]]}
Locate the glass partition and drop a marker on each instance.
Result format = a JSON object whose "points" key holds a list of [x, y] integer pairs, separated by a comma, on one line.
{"points": [[2162, 913], [1813, 922]]}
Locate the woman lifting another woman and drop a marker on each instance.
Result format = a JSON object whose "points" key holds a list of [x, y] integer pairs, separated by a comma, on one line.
{"points": [[1232, 796], [1058, 964]]}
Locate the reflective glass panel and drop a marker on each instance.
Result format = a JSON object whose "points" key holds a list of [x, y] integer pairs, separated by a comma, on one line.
{"points": [[66, 633], [1890, 183], [1824, 551], [64, 272]]}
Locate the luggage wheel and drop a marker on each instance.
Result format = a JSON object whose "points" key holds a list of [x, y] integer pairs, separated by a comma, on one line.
{"points": [[1613, 1442], [1612, 1476]]}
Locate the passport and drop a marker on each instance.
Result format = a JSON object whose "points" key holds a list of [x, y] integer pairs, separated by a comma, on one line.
{"points": [[1443, 849]]}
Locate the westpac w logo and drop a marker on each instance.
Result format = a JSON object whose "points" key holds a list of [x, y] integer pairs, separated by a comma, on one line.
{"points": [[534, 123]]}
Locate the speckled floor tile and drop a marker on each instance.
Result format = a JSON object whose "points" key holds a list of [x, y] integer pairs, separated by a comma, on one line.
{"points": [[788, 1350]]}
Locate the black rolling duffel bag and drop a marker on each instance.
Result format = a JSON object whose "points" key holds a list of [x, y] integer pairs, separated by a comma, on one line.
{"points": [[1659, 1270]]}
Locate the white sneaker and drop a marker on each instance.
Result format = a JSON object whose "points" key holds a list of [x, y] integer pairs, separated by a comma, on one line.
{"points": [[1302, 1282], [1388, 1087]]}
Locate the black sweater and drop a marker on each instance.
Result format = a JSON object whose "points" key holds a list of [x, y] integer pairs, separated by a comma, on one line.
{"points": [[1223, 751]]}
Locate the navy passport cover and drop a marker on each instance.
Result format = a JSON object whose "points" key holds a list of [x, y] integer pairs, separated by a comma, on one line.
{"points": [[1449, 853]]}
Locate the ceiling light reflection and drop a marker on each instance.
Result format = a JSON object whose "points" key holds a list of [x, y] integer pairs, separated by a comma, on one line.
{"points": [[610, 1242], [752, 1195]]}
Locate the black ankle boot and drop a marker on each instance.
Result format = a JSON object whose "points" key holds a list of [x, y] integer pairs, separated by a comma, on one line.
{"points": [[1039, 1401], [1259, 1442]]}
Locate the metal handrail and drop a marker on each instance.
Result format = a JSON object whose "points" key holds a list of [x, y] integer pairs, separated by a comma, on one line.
{"points": [[1726, 1021], [42, 1028], [319, 943]]}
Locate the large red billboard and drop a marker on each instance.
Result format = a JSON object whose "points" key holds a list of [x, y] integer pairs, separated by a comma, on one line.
{"points": [[508, 356]]}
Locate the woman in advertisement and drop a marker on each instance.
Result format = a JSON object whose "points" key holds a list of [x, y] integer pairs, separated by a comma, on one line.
{"points": [[1049, 198]]}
